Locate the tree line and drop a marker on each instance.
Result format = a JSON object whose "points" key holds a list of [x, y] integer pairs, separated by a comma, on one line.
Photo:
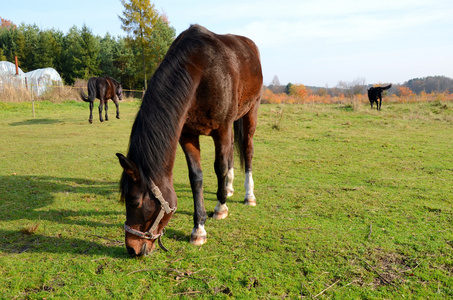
{"points": [[428, 85], [433, 88], [81, 54]]}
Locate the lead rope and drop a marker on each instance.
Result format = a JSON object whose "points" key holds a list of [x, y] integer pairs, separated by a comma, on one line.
{"points": [[161, 245]]}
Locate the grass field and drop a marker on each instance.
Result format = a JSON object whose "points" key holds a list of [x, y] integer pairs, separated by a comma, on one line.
{"points": [[352, 204]]}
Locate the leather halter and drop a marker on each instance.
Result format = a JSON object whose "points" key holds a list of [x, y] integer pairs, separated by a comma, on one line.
{"points": [[164, 208]]}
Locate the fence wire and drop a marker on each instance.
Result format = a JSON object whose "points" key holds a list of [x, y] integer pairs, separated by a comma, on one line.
{"points": [[45, 89]]}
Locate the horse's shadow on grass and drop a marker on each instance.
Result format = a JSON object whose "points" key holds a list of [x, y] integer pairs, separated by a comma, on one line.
{"points": [[15, 242], [45, 121], [25, 201], [22, 197]]}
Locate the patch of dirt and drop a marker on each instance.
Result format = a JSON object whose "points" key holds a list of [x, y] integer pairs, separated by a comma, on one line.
{"points": [[223, 290], [390, 268]]}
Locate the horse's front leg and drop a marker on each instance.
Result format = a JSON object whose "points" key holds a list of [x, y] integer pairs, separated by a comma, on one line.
{"points": [[191, 146], [117, 108], [101, 104], [223, 148]]}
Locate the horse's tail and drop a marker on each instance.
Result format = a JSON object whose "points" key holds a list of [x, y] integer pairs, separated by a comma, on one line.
{"points": [[84, 96], [387, 87], [239, 140], [91, 86]]}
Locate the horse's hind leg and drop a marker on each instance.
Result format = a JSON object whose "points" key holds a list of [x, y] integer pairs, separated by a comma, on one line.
{"points": [[249, 126], [230, 174], [106, 109], [101, 104], [377, 103], [91, 112], [191, 146]]}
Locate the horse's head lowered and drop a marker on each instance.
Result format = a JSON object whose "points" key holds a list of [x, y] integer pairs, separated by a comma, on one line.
{"points": [[118, 88], [119, 91], [147, 210]]}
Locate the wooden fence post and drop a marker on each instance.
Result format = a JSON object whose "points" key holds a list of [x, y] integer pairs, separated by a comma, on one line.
{"points": [[32, 100]]}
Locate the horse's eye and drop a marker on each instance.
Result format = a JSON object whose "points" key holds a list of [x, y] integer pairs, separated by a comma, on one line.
{"points": [[134, 202]]}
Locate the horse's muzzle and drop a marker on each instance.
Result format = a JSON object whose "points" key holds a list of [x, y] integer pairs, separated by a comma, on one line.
{"points": [[145, 249]]}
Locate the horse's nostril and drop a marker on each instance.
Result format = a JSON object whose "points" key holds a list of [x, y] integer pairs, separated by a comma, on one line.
{"points": [[131, 251]]}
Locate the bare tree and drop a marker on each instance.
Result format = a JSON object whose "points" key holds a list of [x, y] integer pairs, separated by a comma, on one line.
{"points": [[275, 81], [353, 88], [276, 87]]}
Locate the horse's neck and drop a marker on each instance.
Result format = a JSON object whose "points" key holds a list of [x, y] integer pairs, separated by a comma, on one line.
{"points": [[110, 87], [160, 141]]}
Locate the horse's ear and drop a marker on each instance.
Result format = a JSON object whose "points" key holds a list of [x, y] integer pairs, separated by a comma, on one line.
{"points": [[129, 167]]}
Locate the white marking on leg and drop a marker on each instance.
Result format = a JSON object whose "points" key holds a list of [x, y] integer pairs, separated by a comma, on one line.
{"points": [[198, 236], [229, 182], [198, 232], [220, 208], [220, 211], [249, 187]]}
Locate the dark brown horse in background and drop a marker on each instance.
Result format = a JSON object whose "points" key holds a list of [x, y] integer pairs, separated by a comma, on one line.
{"points": [[375, 93], [206, 84], [103, 88]]}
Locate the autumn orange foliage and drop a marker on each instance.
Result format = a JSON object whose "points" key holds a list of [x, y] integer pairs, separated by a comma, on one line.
{"points": [[404, 91], [6, 23], [299, 91]]}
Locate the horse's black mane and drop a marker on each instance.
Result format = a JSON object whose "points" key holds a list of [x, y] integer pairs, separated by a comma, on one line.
{"points": [[117, 84], [165, 101]]}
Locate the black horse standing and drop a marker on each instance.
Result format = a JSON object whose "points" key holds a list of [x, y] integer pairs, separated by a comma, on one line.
{"points": [[375, 93], [103, 88]]}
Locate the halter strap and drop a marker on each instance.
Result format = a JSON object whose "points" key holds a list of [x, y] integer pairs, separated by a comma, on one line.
{"points": [[164, 208], [158, 194]]}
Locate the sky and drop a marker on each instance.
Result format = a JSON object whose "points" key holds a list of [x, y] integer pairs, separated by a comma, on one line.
{"points": [[310, 42]]}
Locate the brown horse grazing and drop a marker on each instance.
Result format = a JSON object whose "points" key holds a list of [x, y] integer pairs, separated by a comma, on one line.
{"points": [[205, 84], [103, 88], [375, 93]]}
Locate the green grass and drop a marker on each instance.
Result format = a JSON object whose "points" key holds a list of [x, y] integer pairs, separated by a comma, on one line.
{"points": [[352, 204]]}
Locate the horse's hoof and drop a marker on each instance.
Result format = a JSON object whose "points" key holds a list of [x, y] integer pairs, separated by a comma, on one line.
{"points": [[91, 121], [117, 117], [230, 192], [198, 236], [220, 215], [197, 240], [250, 202]]}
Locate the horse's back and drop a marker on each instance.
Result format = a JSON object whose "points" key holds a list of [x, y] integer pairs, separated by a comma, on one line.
{"points": [[101, 87], [229, 83]]}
